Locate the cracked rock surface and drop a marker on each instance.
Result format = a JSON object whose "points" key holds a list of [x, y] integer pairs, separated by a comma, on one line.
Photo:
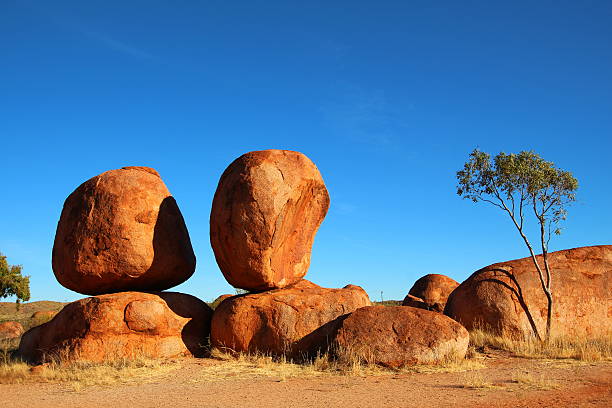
{"points": [[122, 231], [296, 320], [265, 214]]}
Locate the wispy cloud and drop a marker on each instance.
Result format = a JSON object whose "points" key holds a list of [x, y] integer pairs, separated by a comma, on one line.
{"points": [[362, 115], [75, 24]]}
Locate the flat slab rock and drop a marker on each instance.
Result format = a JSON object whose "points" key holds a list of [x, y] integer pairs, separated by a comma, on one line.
{"points": [[122, 231], [297, 320], [122, 325], [401, 335], [581, 286], [265, 214]]}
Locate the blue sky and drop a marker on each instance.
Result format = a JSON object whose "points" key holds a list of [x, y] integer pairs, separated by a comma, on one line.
{"points": [[387, 98]]}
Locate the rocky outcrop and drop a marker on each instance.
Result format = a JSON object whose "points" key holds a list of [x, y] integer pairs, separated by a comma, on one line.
{"points": [[122, 231], [10, 330], [122, 325], [581, 279], [433, 291], [265, 214], [396, 336], [293, 321]]}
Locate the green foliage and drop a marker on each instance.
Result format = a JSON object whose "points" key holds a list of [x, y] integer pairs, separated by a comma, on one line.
{"points": [[514, 182], [12, 283]]}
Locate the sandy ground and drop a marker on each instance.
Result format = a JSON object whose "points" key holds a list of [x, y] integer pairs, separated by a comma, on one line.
{"points": [[556, 384]]}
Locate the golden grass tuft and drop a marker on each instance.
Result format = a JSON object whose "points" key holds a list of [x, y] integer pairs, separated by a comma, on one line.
{"points": [[231, 365], [576, 348], [539, 381], [82, 374]]}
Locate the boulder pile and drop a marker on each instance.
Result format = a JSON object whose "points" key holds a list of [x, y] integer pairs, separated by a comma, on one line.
{"points": [[581, 281], [265, 214], [121, 234]]}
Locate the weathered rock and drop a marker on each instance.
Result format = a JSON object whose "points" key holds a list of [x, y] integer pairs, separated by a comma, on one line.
{"points": [[396, 336], [432, 290], [10, 330], [294, 321], [122, 231], [414, 301], [44, 314], [122, 325], [581, 295], [265, 214]]}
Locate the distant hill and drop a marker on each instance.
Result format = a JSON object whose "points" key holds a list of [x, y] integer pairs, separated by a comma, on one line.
{"points": [[9, 311]]}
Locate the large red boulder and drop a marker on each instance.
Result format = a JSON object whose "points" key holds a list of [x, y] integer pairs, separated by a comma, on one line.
{"points": [[265, 214], [398, 336], [292, 321], [432, 290], [122, 325], [10, 330], [581, 279], [122, 231]]}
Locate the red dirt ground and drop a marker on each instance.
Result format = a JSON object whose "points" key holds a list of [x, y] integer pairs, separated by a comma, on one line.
{"points": [[574, 384]]}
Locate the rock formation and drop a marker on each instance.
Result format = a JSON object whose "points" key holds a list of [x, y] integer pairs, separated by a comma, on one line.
{"points": [[296, 320], [122, 325], [398, 336], [432, 290], [265, 214], [10, 330], [581, 279], [122, 231]]}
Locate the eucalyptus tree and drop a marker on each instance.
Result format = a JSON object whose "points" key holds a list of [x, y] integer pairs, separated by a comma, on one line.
{"points": [[12, 283], [523, 185]]}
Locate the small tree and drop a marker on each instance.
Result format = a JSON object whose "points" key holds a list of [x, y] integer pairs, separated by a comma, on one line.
{"points": [[12, 283], [519, 184]]}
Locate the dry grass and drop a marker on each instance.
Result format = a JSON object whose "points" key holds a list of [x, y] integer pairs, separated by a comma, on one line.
{"points": [[580, 349], [346, 363], [539, 381], [82, 374]]}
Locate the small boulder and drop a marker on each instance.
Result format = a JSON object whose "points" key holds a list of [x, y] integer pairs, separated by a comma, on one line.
{"points": [[122, 325], [292, 321], [122, 231], [10, 330], [44, 315], [265, 214], [581, 288], [433, 291], [397, 336]]}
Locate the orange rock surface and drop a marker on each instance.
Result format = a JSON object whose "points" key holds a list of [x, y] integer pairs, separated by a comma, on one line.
{"points": [[397, 336], [432, 290], [10, 330], [265, 214], [294, 320], [120, 231], [582, 306], [122, 325]]}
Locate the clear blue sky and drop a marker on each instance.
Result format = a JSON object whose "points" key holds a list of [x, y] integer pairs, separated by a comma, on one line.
{"points": [[387, 98]]}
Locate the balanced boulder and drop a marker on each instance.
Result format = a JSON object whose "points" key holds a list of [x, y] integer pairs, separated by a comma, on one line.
{"points": [[265, 214], [396, 336], [292, 321], [581, 288], [432, 290], [122, 325], [10, 330], [122, 231]]}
